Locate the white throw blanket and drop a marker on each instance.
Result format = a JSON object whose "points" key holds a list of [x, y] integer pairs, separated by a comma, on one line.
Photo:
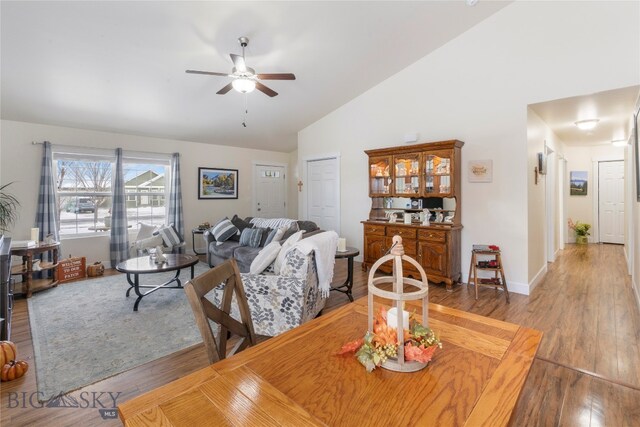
{"points": [[324, 245]]}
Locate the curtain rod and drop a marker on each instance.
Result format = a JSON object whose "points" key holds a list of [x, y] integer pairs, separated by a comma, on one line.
{"points": [[127, 153]]}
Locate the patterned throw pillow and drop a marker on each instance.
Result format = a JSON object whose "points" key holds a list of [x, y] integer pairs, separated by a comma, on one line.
{"points": [[170, 236], [286, 246], [223, 230], [251, 237]]}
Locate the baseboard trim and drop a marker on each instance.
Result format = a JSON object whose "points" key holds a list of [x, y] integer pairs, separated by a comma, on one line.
{"points": [[538, 278], [518, 288], [635, 291]]}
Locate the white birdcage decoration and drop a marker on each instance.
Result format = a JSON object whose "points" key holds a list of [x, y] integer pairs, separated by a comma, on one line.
{"points": [[398, 296]]}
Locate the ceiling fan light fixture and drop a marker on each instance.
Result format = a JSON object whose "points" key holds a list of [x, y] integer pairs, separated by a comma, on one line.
{"points": [[587, 124], [243, 85]]}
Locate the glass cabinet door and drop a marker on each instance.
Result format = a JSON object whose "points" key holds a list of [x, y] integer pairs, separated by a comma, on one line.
{"points": [[379, 176], [438, 173], [407, 174]]}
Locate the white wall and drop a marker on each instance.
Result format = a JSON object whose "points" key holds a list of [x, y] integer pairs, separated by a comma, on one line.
{"points": [[292, 182], [476, 88], [21, 163], [540, 134], [580, 208], [632, 243]]}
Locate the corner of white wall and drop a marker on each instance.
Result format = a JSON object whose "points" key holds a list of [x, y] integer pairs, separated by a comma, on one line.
{"points": [[537, 279]]}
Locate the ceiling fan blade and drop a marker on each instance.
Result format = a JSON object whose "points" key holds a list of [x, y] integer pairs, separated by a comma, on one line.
{"points": [[268, 91], [277, 76], [225, 89], [210, 73], [238, 62]]}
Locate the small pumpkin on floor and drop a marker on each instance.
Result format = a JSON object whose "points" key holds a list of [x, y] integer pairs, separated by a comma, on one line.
{"points": [[13, 370], [8, 352]]}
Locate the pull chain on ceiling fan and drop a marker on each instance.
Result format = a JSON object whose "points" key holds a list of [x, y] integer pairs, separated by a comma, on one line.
{"points": [[245, 79]]}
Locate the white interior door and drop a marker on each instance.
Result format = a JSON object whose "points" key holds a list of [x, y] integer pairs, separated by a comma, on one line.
{"points": [[323, 193], [270, 188], [611, 201]]}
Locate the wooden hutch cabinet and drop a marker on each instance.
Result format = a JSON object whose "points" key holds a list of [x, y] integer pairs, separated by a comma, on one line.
{"points": [[403, 182]]}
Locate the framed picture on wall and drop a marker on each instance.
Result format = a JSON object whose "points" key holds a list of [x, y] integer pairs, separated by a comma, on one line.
{"points": [[480, 170], [578, 183], [216, 183], [542, 164]]}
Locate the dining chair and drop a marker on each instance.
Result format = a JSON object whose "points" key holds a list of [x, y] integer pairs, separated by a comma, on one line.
{"points": [[226, 275]]}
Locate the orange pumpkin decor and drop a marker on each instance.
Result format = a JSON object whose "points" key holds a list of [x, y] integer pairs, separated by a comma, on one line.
{"points": [[8, 352], [14, 370]]}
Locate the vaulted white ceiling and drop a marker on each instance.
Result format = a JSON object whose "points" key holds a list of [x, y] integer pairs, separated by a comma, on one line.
{"points": [[119, 66]]}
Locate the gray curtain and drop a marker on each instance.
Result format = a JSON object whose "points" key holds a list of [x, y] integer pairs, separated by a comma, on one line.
{"points": [[119, 245], [47, 211], [174, 212]]}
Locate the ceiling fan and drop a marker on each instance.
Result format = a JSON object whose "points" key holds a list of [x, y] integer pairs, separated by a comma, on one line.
{"points": [[245, 79]]}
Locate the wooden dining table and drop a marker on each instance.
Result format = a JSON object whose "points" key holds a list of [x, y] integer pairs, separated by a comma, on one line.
{"points": [[297, 379]]}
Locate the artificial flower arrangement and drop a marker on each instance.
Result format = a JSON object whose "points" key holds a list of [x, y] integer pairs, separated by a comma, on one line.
{"points": [[420, 343]]}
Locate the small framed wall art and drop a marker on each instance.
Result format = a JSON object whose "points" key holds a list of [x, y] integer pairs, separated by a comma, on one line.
{"points": [[578, 183], [480, 170], [216, 183]]}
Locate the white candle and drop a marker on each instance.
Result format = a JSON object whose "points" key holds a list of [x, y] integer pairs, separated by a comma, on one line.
{"points": [[392, 318], [407, 218], [342, 244], [35, 234]]}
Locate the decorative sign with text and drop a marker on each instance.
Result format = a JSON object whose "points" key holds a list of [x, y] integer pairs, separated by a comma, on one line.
{"points": [[72, 268]]}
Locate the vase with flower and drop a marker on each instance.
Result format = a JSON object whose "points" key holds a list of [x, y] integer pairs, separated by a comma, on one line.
{"points": [[582, 231]]}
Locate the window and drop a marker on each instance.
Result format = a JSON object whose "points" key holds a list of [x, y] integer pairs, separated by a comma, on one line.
{"points": [[84, 189], [144, 185]]}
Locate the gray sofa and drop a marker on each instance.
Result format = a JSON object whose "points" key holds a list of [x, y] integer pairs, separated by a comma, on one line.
{"points": [[244, 255]]}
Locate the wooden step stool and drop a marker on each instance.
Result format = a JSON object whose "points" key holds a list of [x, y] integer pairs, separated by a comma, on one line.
{"points": [[494, 265]]}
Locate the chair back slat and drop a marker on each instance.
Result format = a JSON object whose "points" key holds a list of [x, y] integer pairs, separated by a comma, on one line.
{"points": [[226, 275]]}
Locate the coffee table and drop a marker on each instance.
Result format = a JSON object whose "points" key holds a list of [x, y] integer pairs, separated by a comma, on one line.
{"points": [[146, 265]]}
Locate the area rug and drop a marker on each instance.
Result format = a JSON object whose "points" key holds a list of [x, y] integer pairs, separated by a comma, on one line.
{"points": [[87, 331]]}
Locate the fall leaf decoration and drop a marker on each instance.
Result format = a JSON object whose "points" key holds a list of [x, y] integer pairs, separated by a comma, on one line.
{"points": [[351, 346], [420, 343]]}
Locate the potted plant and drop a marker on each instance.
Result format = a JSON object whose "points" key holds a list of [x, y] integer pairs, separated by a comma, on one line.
{"points": [[582, 231], [8, 208]]}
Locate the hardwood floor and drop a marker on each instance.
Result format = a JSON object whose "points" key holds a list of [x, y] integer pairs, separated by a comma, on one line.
{"points": [[587, 371]]}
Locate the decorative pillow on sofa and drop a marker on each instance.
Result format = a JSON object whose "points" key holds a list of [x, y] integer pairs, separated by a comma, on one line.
{"points": [[265, 236], [223, 230], [240, 225], [265, 258], [288, 244], [275, 236], [293, 228], [251, 237]]}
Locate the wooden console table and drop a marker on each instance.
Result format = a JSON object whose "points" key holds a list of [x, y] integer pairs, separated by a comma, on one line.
{"points": [[29, 285], [297, 379]]}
